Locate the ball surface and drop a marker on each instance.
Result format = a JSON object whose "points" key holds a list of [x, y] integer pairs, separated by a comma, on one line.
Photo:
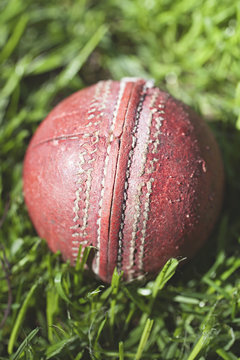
{"points": [[128, 169]]}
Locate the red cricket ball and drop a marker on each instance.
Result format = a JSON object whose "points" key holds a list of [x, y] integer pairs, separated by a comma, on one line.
{"points": [[125, 167]]}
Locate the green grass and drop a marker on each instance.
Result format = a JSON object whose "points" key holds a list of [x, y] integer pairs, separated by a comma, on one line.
{"points": [[49, 49]]}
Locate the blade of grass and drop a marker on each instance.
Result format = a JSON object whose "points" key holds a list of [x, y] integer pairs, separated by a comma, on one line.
{"points": [[25, 344], [121, 350], [56, 348], [226, 355], [20, 318], [14, 39], [81, 261], [75, 65], [144, 338], [115, 287], [163, 277], [208, 328], [79, 355], [13, 8], [203, 340], [101, 326], [51, 308], [16, 76], [59, 287], [132, 295]]}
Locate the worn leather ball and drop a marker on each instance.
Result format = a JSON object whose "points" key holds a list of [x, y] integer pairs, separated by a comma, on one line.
{"points": [[128, 169]]}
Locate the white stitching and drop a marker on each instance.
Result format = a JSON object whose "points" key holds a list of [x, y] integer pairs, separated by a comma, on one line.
{"points": [[80, 231], [79, 190], [137, 213], [145, 220], [149, 124], [150, 170]]}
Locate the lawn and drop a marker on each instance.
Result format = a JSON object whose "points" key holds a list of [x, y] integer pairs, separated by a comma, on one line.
{"points": [[50, 49]]}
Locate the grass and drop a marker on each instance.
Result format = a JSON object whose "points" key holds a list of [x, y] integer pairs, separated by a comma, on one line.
{"points": [[49, 49]]}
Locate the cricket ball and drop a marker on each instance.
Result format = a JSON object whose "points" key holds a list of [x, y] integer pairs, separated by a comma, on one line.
{"points": [[128, 169]]}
